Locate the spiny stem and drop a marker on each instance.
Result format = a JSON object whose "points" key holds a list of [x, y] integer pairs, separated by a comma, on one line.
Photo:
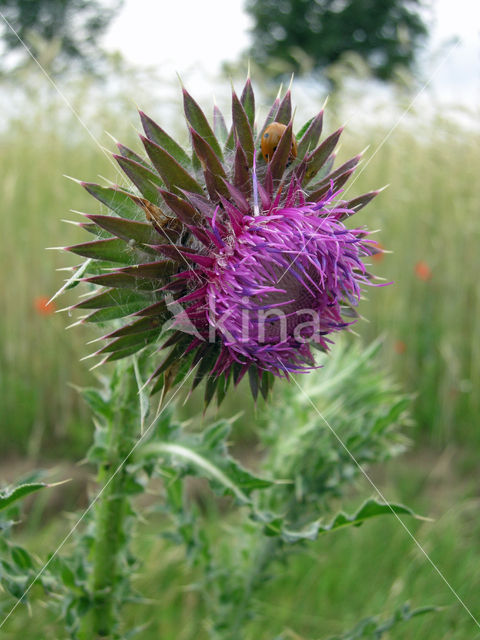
{"points": [[111, 510]]}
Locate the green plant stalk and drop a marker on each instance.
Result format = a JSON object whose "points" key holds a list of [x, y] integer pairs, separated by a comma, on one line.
{"points": [[111, 513]]}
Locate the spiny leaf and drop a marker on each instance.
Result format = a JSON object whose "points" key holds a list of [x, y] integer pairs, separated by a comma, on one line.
{"points": [[172, 356], [199, 122], [110, 298], [242, 127], [7, 498], [138, 339], [282, 152], [373, 629], [200, 202], [123, 353], [94, 229], [207, 455], [117, 279], [111, 249], [210, 389], [219, 126], [172, 172], [211, 165], [309, 139], [360, 201], [316, 159], [142, 232], [370, 509], [301, 133], [155, 309], [222, 387], [346, 166], [138, 326], [327, 166], [338, 183], [145, 180], [119, 201], [241, 177], [184, 211], [254, 381], [284, 113], [206, 364], [156, 270], [155, 133], [248, 102], [269, 119], [266, 383], [112, 313], [132, 155]]}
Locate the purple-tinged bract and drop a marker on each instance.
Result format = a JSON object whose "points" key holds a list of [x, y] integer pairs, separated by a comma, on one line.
{"points": [[242, 265]]}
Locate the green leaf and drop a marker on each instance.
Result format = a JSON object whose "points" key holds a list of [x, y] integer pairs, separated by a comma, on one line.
{"points": [[132, 155], [111, 249], [282, 152], [143, 398], [173, 174], [207, 455], [75, 278], [112, 298], [248, 102], [269, 119], [254, 381], [122, 353], [301, 133], [118, 279], [359, 202], [211, 165], [128, 230], [139, 326], [112, 313], [184, 211], [100, 405], [275, 526], [374, 629], [219, 126], [243, 129], [317, 158], [21, 558], [324, 187], [309, 135], [120, 202], [333, 175], [199, 122], [284, 113], [7, 498], [155, 270], [15, 585], [145, 180], [155, 133], [139, 339]]}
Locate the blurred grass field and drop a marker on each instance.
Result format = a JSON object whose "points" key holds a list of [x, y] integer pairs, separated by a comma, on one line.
{"points": [[428, 218]]}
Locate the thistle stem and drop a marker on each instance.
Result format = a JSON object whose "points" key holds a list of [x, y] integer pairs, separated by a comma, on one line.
{"points": [[111, 510]]}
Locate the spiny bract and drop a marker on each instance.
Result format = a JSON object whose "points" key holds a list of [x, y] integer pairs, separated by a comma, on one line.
{"points": [[242, 264]]}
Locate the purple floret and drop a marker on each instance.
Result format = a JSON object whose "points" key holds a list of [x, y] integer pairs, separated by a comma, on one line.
{"points": [[274, 284]]}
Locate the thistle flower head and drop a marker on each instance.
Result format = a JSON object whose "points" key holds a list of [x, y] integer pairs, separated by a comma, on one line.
{"points": [[238, 253]]}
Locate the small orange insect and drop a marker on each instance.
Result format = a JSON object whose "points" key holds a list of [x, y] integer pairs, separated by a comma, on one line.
{"points": [[271, 138]]}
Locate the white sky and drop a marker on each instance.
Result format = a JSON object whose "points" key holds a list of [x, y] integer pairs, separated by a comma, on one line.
{"points": [[192, 37], [180, 34]]}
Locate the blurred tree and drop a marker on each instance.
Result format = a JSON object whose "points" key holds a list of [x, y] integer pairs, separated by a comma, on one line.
{"points": [[313, 34], [57, 32]]}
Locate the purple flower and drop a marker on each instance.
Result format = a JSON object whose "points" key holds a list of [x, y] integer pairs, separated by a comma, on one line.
{"points": [[250, 255]]}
